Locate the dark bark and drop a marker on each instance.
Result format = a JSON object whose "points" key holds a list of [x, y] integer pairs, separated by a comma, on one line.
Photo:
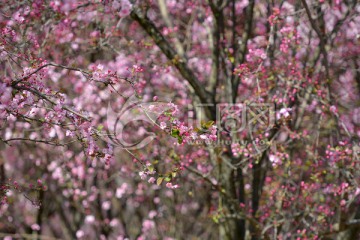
{"points": [[178, 61]]}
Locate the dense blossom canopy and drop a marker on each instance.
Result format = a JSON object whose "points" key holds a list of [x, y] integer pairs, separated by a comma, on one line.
{"points": [[179, 119]]}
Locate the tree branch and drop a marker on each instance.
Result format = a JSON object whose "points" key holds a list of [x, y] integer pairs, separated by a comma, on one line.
{"points": [[171, 54], [42, 96], [249, 14], [46, 65], [322, 39]]}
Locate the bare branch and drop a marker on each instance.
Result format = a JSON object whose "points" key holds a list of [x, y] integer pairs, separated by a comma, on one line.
{"points": [[32, 140], [245, 38], [171, 54], [39, 94], [46, 65], [166, 17]]}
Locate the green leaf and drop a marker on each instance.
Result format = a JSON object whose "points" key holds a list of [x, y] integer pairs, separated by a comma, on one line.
{"points": [[215, 219], [175, 132], [149, 44], [151, 168], [209, 124], [159, 180], [232, 59], [206, 125]]}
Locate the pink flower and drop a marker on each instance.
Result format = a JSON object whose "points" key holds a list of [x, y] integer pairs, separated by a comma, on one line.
{"points": [[203, 136], [162, 125], [100, 67], [70, 133], [151, 180], [142, 175], [6, 96], [333, 109], [152, 214], [148, 225], [106, 205], [125, 8], [121, 191], [35, 227], [89, 219], [357, 192], [80, 234], [275, 160], [171, 186], [284, 112]]}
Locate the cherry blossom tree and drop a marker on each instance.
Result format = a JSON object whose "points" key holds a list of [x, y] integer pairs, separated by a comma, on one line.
{"points": [[179, 119]]}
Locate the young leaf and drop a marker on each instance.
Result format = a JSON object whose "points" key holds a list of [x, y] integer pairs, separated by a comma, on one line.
{"points": [[159, 180]]}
